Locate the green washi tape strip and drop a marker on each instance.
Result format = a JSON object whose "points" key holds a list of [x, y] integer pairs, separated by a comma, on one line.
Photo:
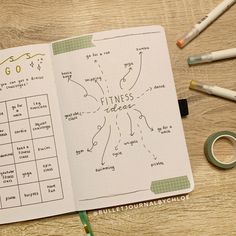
{"points": [[170, 185], [73, 44], [209, 149]]}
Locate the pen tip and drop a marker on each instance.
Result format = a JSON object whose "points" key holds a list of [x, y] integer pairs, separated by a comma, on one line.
{"points": [[180, 43], [192, 84], [197, 86], [190, 61]]}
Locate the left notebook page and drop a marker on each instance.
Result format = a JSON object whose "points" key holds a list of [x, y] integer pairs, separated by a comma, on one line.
{"points": [[34, 174]]}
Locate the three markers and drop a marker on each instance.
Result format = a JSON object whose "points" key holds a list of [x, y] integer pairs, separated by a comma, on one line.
{"points": [[211, 56]]}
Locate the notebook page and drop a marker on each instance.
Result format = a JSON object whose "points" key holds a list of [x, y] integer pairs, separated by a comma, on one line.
{"points": [[34, 174], [122, 124]]}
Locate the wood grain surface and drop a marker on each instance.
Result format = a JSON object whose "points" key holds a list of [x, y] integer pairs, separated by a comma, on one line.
{"points": [[211, 208]]}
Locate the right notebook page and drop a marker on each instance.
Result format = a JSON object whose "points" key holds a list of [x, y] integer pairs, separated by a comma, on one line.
{"points": [[122, 124]]}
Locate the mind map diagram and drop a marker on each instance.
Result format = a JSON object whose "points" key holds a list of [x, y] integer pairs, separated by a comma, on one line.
{"points": [[117, 100]]}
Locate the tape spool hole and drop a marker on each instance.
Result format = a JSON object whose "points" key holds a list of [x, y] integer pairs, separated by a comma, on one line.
{"points": [[225, 149]]}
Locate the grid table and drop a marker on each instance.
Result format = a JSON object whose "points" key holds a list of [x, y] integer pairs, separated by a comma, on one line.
{"points": [[29, 168]]}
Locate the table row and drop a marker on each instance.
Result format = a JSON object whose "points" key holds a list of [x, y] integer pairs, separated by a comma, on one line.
{"points": [[24, 108], [33, 193], [28, 150], [26, 129], [29, 172]]}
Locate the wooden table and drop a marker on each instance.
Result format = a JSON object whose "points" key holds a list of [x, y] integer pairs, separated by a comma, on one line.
{"points": [[210, 208]]}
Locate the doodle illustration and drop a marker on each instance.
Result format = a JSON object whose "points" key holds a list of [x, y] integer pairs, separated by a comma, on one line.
{"points": [[13, 64]]}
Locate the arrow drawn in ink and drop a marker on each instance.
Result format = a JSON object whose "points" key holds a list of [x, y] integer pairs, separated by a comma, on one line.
{"points": [[131, 125], [100, 87], [144, 93], [145, 119], [85, 90], [109, 135], [123, 78], [94, 143], [140, 69]]}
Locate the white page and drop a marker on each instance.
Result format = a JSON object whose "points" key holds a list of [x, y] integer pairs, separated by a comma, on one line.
{"points": [[34, 173], [121, 117]]}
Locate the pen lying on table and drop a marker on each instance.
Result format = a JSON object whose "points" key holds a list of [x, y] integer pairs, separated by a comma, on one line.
{"points": [[212, 56], [205, 22], [214, 90]]}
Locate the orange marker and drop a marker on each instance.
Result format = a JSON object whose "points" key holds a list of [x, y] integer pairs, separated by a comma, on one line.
{"points": [[205, 22]]}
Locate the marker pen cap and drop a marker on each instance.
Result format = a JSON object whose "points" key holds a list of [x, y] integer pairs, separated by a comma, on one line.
{"points": [[196, 59], [199, 86], [187, 37]]}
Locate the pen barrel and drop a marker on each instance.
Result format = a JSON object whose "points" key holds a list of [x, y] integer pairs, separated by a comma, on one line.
{"points": [[222, 92], [214, 14], [204, 22], [224, 54]]}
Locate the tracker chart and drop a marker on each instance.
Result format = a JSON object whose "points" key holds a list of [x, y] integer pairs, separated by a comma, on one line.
{"points": [[29, 168]]}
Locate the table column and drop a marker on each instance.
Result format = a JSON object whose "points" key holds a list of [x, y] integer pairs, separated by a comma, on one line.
{"points": [[24, 155], [9, 189], [45, 148]]}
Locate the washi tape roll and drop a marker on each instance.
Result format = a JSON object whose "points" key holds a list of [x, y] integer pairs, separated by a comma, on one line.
{"points": [[209, 149]]}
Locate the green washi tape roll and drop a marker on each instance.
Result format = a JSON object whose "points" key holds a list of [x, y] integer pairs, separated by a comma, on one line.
{"points": [[209, 149]]}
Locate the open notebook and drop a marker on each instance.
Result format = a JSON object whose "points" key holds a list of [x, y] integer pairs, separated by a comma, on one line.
{"points": [[89, 122]]}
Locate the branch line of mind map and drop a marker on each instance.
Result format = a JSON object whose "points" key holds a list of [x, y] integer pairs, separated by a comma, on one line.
{"points": [[141, 116], [99, 86], [94, 142], [119, 133], [122, 104], [131, 125], [124, 79], [139, 72], [108, 139], [85, 90], [74, 115]]}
